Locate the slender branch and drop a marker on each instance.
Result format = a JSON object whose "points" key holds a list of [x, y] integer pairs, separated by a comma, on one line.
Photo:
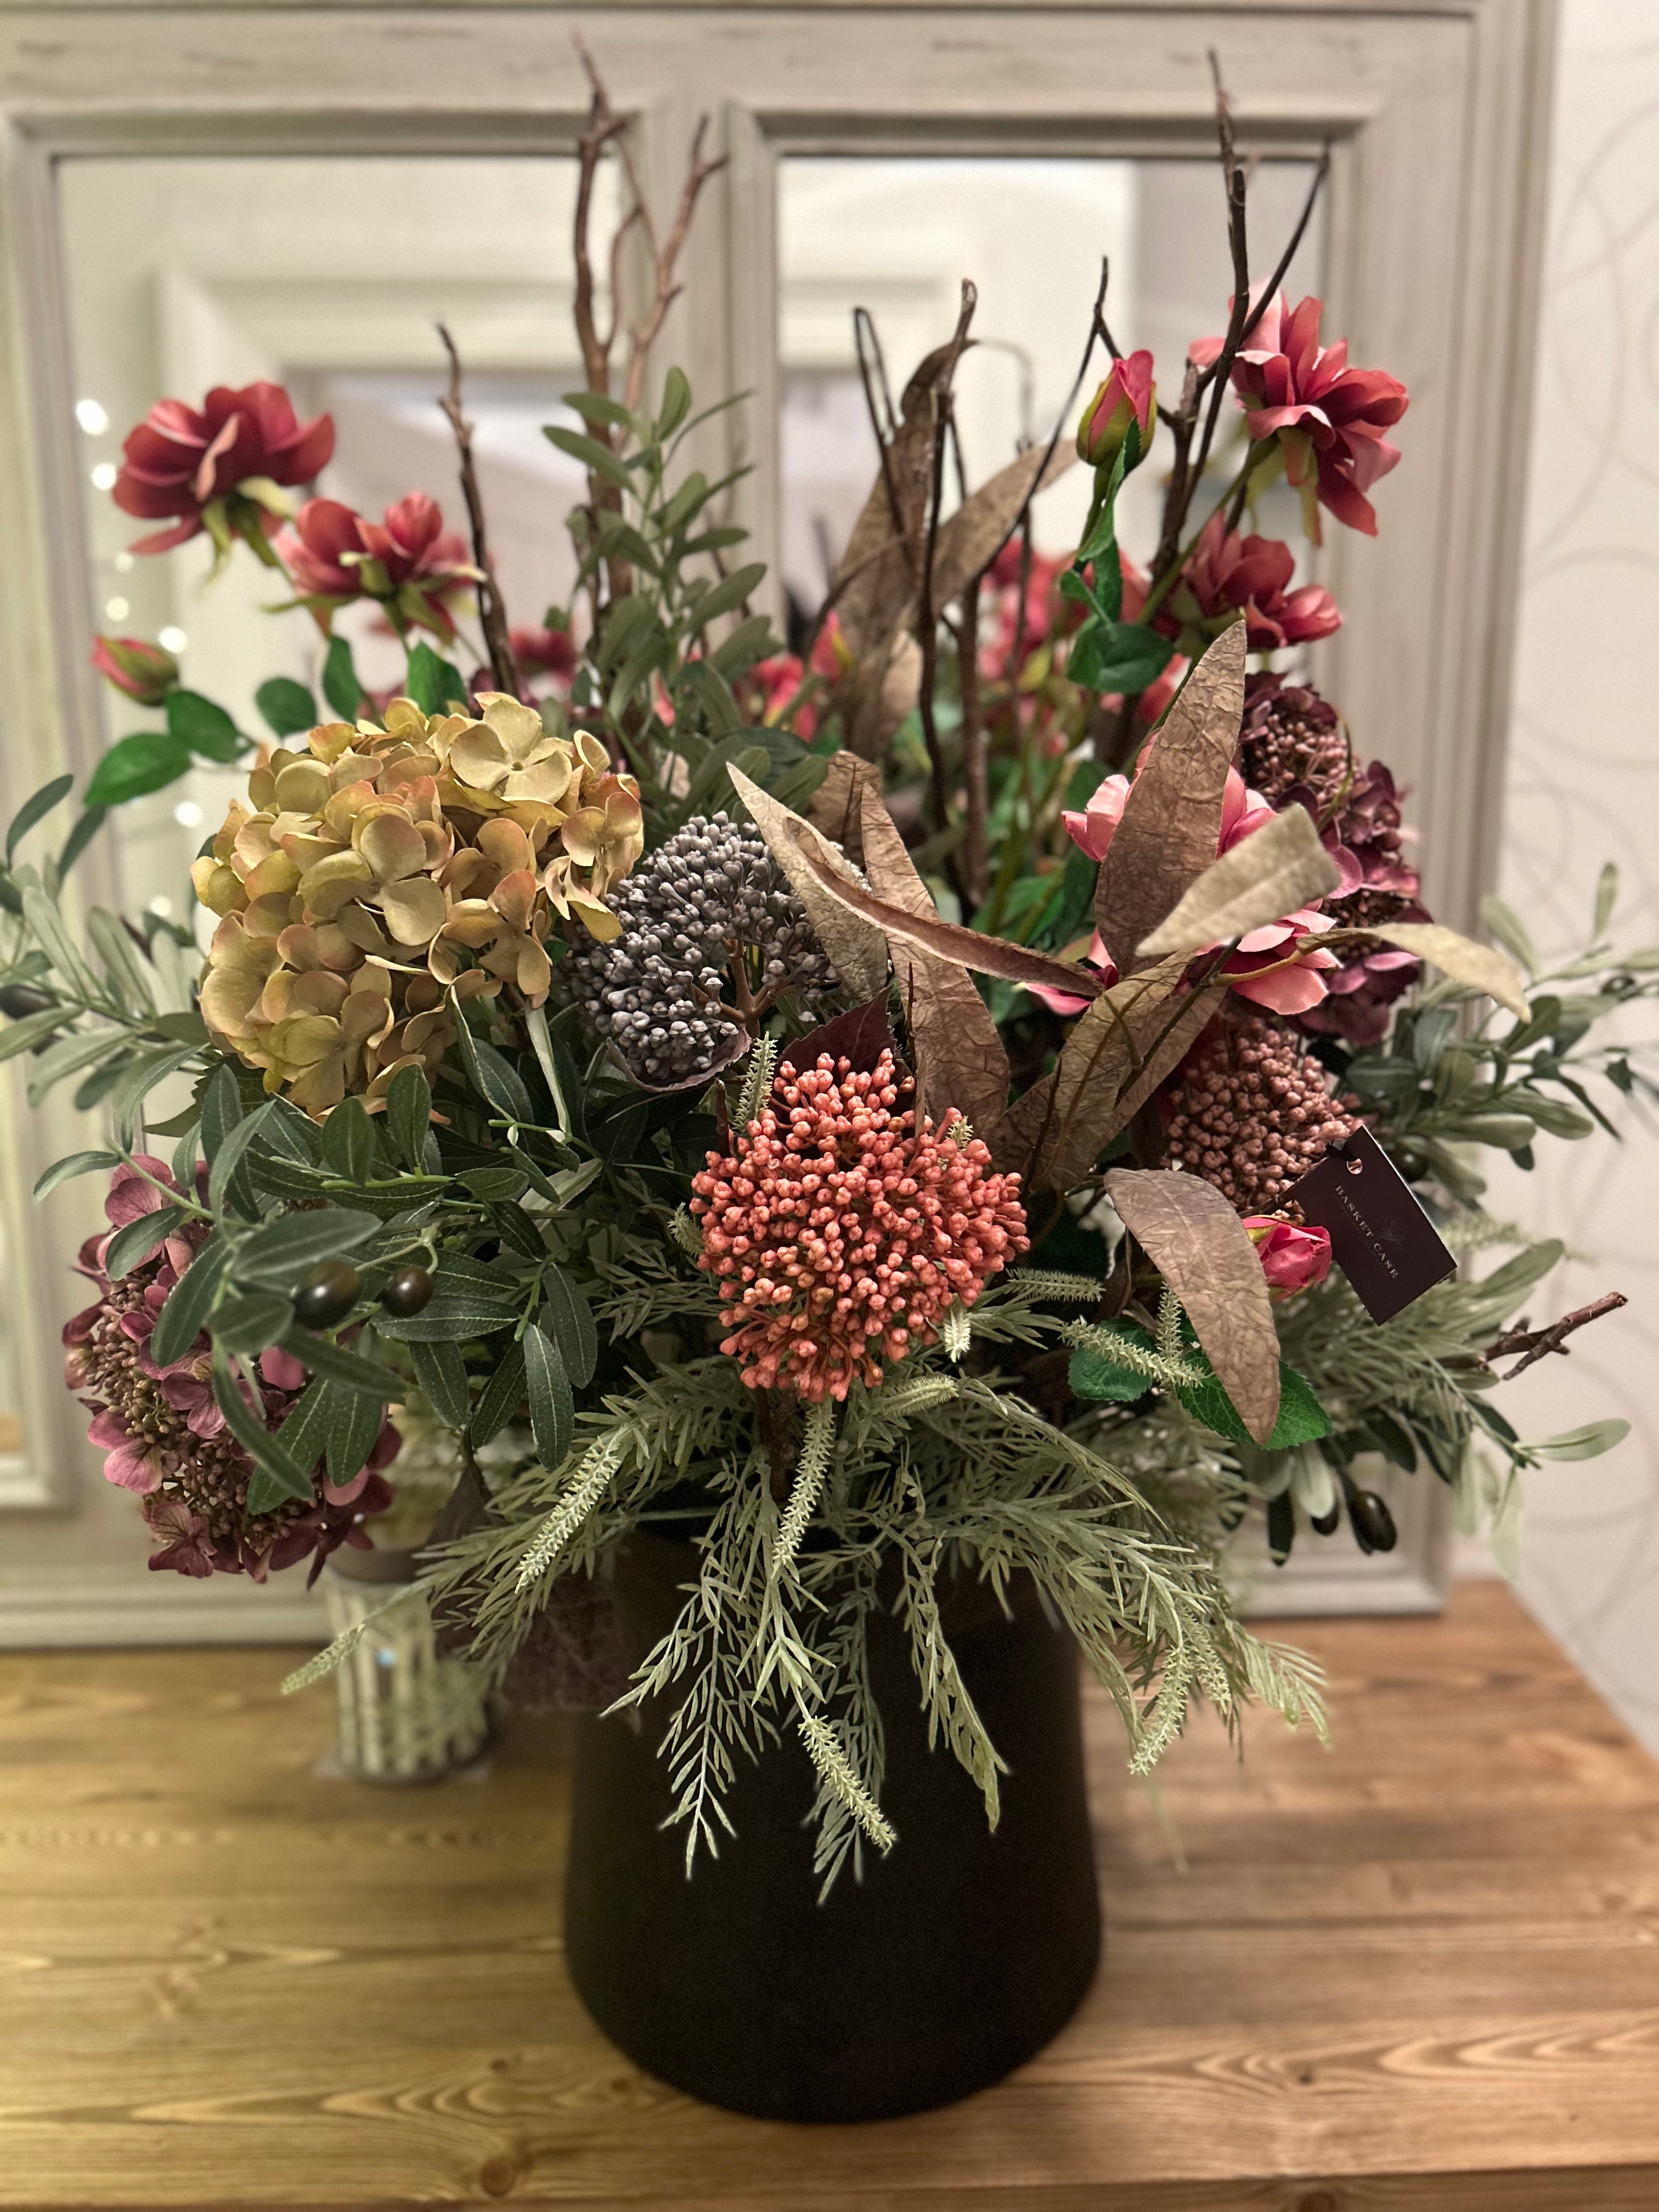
{"points": [[492, 613], [975, 856], [927, 613], [1269, 291], [1536, 1343]]}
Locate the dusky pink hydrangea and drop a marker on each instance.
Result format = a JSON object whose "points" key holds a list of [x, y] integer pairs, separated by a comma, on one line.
{"points": [[161, 1427], [840, 1232]]}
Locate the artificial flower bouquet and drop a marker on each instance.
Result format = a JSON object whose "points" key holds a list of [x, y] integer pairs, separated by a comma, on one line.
{"points": [[883, 1114]]}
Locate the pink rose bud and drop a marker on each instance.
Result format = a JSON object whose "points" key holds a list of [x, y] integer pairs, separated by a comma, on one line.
{"points": [[145, 672], [1128, 395], [1292, 1259]]}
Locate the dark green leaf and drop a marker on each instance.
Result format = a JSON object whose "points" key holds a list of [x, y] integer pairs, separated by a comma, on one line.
{"points": [[340, 686], [493, 1184], [285, 1249], [731, 592], [348, 1141], [139, 1239], [1393, 1439], [552, 1409], [408, 1115], [499, 1398], [142, 1078], [185, 1315], [252, 1324], [676, 404], [1281, 1527], [1301, 1420], [441, 1373], [304, 1435], [516, 1229], [203, 726], [1094, 1376], [227, 1176], [134, 765], [495, 1078], [570, 1319], [36, 809], [747, 643], [451, 1319], [288, 706], [75, 1163], [433, 683]]}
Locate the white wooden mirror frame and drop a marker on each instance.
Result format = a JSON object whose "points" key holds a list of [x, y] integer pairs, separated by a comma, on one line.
{"points": [[1436, 112]]}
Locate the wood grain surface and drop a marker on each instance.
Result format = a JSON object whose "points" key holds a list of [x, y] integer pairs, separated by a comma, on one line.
{"points": [[1421, 1969]]}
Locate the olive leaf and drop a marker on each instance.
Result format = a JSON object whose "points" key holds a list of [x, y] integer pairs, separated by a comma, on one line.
{"points": [[960, 1060], [1203, 1251], [1171, 823], [858, 952], [1479, 966], [1280, 867]]}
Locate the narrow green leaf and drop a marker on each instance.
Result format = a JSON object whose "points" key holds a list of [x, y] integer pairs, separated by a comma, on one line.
{"points": [[495, 1078], [340, 686], [288, 706], [250, 1432], [134, 1244], [127, 979], [676, 404], [1587, 1443], [73, 1164], [499, 1399], [34, 1030], [354, 1424], [348, 1141], [1507, 927], [36, 809], [304, 1434], [284, 1249], [220, 1111], [495, 1185], [47, 924], [252, 1324], [441, 1373], [322, 1356], [91, 822], [185, 1315], [408, 1115], [231, 1154], [591, 454], [599, 407], [552, 1409], [142, 1078], [731, 592], [571, 1319]]}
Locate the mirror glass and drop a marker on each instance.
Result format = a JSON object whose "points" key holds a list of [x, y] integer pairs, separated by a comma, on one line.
{"points": [[896, 234], [328, 276]]}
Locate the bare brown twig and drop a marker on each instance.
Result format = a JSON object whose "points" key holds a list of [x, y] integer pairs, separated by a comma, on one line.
{"points": [[1535, 1344], [492, 613], [927, 613]]}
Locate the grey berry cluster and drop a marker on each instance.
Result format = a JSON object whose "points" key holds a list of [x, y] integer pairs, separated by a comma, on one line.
{"points": [[661, 992]]}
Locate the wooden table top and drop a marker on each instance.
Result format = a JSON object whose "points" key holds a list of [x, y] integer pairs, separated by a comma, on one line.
{"points": [[1421, 1969]]}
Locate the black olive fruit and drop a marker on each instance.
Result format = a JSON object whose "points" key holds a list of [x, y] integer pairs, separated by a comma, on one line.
{"points": [[20, 999], [327, 1294], [408, 1290], [1373, 1523], [1326, 1524]]}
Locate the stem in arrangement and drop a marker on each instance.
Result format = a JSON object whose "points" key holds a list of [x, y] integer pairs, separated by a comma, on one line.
{"points": [[1535, 1344], [926, 613], [492, 614], [976, 854]]}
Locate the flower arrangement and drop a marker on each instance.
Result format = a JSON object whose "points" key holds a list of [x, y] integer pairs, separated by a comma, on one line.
{"points": [[865, 1106]]}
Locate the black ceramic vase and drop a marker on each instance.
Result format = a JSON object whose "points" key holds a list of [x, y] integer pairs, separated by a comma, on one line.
{"points": [[960, 1954]]}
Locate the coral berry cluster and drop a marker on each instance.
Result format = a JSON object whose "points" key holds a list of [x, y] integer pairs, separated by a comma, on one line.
{"points": [[841, 1233]]}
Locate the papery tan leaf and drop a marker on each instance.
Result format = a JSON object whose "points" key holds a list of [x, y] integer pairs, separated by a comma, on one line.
{"points": [[1203, 1251], [877, 692], [836, 807], [946, 940], [858, 952], [1172, 823], [975, 534], [960, 1061], [1269, 874], [1122, 1047], [1462, 959], [877, 576]]}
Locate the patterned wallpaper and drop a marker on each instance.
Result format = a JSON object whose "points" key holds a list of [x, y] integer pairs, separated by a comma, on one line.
{"points": [[1584, 787]]}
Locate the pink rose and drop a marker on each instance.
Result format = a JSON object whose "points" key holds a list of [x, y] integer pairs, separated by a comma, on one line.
{"points": [[1292, 1259], [1127, 396], [145, 672]]}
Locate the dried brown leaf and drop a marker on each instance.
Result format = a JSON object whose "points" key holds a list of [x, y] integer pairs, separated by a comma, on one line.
{"points": [[1478, 965], [836, 807], [1172, 823], [1270, 873], [877, 576], [1203, 1251], [946, 941], [1124, 1046], [858, 952], [960, 1061], [976, 533], [878, 691]]}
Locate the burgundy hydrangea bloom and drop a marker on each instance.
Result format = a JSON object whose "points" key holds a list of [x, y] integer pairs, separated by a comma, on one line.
{"points": [[841, 1233], [162, 1429], [408, 561], [183, 460]]}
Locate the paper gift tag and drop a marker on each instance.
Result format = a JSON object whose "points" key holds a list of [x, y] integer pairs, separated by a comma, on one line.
{"points": [[1380, 1237]]}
